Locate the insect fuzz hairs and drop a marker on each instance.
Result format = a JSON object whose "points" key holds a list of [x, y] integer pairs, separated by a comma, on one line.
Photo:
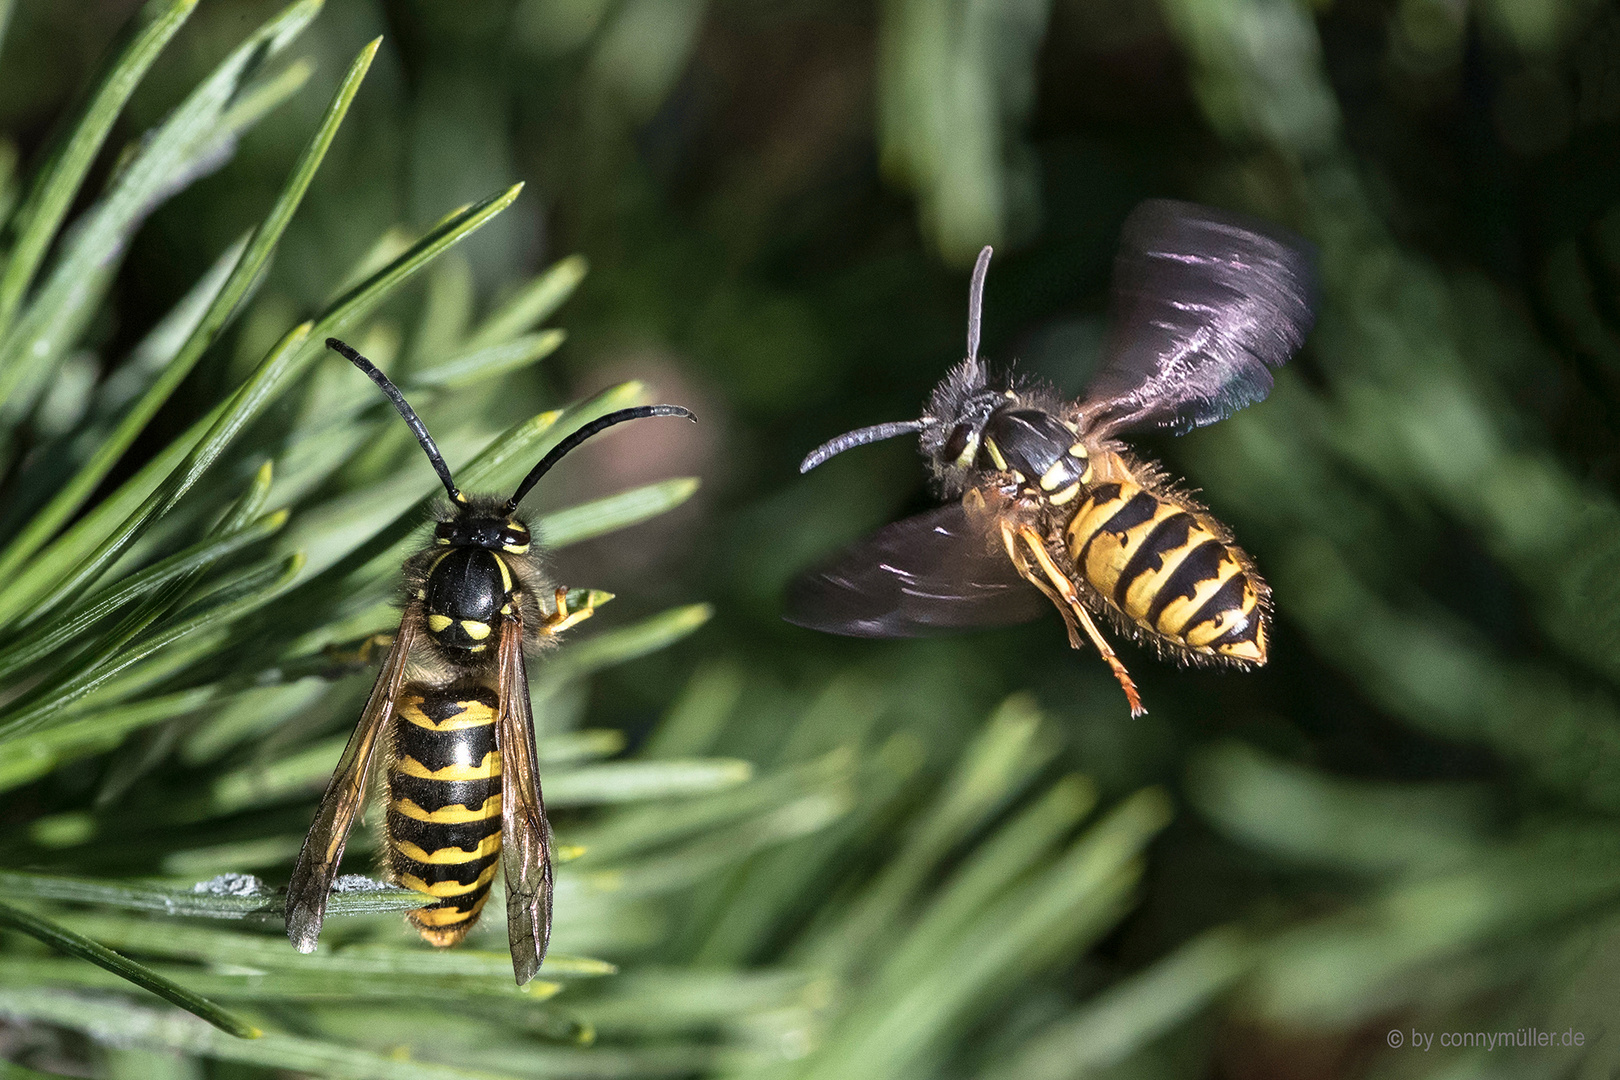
{"points": [[1045, 500], [449, 717]]}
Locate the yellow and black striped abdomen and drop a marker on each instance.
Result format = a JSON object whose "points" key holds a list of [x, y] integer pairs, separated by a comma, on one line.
{"points": [[1166, 569], [444, 804]]}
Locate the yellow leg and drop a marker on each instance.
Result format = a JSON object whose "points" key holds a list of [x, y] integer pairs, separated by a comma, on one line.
{"points": [[1016, 554], [357, 656], [562, 618], [1068, 599]]}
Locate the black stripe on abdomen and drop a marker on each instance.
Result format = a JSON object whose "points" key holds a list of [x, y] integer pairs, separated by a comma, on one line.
{"points": [[1142, 506], [1199, 566], [1167, 536], [433, 835], [1229, 597], [444, 831], [433, 795], [436, 749], [462, 873]]}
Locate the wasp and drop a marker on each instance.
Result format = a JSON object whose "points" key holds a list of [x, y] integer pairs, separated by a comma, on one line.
{"points": [[1044, 500], [450, 715]]}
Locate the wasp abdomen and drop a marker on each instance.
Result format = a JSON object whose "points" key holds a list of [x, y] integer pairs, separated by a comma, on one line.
{"points": [[444, 804], [1166, 568]]}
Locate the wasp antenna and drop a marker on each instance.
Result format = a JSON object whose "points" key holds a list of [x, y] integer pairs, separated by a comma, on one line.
{"points": [[561, 450], [859, 437], [419, 429], [976, 302]]}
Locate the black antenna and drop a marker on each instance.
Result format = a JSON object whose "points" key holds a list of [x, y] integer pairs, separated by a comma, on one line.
{"points": [[561, 450], [859, 437], [976, 302], [417, 427]]}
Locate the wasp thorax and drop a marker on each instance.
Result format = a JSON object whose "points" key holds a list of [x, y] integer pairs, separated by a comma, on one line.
{"points": [[1038, 448], [469, 591]]}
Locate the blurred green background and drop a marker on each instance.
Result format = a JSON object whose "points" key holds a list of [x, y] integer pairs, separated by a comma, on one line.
{"points": [[818, 857]]}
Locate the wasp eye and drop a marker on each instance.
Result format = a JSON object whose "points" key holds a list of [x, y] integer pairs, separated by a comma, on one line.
{"points": [[957, 443], [512, 538]]}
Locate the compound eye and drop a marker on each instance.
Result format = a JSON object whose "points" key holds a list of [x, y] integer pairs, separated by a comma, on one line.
{"points": [[958, 442], [511, 538], [444, 531]]}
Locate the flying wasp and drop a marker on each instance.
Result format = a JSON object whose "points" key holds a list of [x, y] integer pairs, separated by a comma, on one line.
{"points": [[1044, 498], [450, 713]]}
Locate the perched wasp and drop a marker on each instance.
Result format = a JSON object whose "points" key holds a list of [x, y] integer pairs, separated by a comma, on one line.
{"points": [[1042, 492], [450, 713]]}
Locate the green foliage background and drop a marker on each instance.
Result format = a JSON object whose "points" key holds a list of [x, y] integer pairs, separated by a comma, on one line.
{"points": [[790, 855]]}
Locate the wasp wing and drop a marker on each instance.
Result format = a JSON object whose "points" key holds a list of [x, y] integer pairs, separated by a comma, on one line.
{"points": [[526, 835], [323, 848], [933, 572], [1204, 304]]}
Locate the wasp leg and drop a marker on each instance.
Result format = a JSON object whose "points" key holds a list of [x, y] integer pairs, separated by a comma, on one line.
{"points": [[562, 618], [347, 658], [1071, 598], [1021, 564]]}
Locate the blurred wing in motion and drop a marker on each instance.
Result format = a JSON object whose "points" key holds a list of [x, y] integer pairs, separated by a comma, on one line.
{"points": [[526, 835], [921, 575], [1205, 303]]}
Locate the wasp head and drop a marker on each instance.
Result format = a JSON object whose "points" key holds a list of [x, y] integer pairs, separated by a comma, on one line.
{"points": [[483, 523], [952, 431]]}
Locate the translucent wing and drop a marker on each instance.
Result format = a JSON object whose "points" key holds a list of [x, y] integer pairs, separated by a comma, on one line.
{"points": [[925, 574], [323, 847], [526, 835], [1204, 304]]}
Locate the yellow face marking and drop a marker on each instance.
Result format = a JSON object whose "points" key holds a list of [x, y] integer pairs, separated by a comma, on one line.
{"points": [[478, 631], [439, 623], [473, 714], [522, 546], [448, 888], [487, 769], [454, 814], [1064, 497], [964, 460], [506, 573], [450, 856], [995, 454]]}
